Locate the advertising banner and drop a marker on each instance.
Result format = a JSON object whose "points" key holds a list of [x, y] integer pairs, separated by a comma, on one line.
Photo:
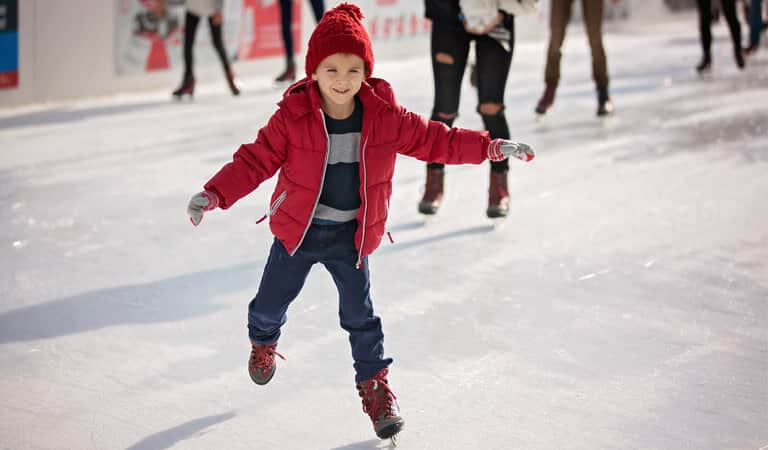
{"points": [[9, 44], [388, 20], [150, 33]]}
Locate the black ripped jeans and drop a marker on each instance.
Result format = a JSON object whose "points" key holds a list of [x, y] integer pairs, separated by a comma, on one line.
{"points": [[493, 62]]}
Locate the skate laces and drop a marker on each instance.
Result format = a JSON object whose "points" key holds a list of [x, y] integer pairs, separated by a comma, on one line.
{"points": [[262, 356], [378, 399]]}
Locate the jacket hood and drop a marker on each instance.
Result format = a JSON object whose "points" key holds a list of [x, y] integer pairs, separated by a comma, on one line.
{"points": [[303, 96]]}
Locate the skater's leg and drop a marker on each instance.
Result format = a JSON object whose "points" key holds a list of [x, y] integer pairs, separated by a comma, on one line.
{"points": [[560, 15], [286, 13], [729, 10], [705, 27], [355, 306], [218, 44], [318, 8], [755, 22], [493, 62], [190, 29], [734, 26], [593, 19], [450, 50], [283, 278]]}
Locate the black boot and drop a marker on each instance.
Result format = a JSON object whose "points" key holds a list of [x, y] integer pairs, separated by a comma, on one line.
{"points": [[738, 55], [547, 99], [498, 195], [433, 191], [187, 88], [233, 82], [705, 66], [604, 103], [289, 75]]}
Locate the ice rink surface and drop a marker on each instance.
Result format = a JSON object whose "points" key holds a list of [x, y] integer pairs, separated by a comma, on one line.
{"points": [[623, 304]]}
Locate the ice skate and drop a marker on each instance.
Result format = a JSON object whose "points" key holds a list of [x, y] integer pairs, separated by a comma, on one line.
{"points": [[547, 100], [261, 365], [380, 405], [604, 103], [433, 191], [288, 76], [187, 88], [704, 67], [498, 196]]}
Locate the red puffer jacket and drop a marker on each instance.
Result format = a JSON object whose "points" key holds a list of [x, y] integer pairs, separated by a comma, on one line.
{"points": [[296, 142]]}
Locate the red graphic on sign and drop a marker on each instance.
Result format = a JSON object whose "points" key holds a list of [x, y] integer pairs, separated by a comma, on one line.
{"points": [[158, 54], [260, 33]]}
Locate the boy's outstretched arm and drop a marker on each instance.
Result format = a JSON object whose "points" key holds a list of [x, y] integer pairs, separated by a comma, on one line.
{"points": [[250, 166], [433, 141]]}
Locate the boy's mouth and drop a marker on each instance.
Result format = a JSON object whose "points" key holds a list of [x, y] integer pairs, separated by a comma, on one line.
{"points": [[341, 91]]}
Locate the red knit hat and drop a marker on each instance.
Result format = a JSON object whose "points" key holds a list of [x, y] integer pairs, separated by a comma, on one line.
{"points": [[339, 31]]}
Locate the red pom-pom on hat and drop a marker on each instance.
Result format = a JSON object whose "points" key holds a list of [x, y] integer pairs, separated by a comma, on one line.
{"points": [[352, 10], [340, 30]]}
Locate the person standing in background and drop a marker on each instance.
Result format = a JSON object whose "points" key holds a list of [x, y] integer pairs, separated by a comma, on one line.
{"points": [[286, 9], [559, 16], [452, 34], [212, 9], [705, 32]]}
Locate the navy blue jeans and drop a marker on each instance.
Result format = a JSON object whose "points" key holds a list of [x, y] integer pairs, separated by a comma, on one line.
{"points": [[284, 275]]}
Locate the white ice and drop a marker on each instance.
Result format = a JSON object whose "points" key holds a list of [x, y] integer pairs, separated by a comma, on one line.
{"points": [[622, 304]]}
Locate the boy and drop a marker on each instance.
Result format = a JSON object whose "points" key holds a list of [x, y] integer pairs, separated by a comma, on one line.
{"points": [[334, 139]]}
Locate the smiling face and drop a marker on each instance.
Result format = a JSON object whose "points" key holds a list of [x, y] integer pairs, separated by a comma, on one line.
{"points": [[339, 77]]}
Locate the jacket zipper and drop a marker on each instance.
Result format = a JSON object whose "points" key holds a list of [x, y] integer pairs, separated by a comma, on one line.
{"points": [[365, 200], [322, 181], [277, 203], [273, 208]]}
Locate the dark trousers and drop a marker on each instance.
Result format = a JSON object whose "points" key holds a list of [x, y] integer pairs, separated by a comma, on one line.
{"points": [[286, 15], [755, 21], [559, 16], [705, 23], [190, 30], [493, 62], [284, 275]]}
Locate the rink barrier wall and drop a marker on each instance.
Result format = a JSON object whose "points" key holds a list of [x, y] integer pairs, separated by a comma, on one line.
{"points": [[67, 50]]}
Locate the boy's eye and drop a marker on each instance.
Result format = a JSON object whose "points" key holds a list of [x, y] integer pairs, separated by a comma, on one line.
{"points": [[331, 70]]}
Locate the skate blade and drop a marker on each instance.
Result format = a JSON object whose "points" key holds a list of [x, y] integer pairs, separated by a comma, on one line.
{"points": [[497, 223], [430, 219], [182, 98], [282, 84], [390, 431]]}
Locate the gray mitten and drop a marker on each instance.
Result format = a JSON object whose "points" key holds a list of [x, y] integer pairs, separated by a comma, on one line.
{"points": [[199, 203], [500, 149]]}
